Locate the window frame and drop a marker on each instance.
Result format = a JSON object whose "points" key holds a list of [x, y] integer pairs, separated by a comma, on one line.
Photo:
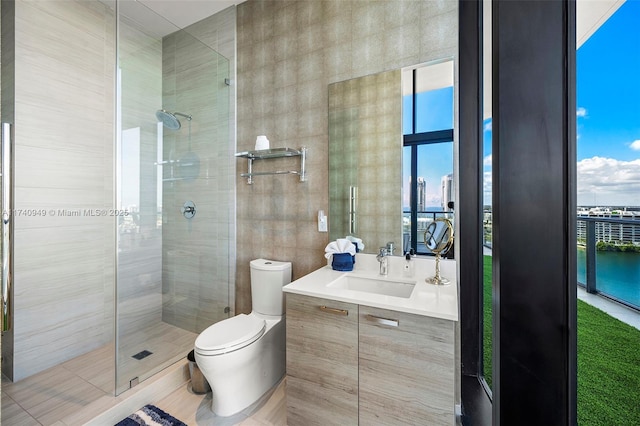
{"points": [[414, 141]]}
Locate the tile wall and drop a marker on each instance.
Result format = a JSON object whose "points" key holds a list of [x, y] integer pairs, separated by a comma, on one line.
{"points": [[63, 256], [288, 53]]}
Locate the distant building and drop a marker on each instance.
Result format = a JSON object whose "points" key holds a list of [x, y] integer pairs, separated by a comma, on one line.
{"points": [[447, 191], [617, 233], [422, 194]]}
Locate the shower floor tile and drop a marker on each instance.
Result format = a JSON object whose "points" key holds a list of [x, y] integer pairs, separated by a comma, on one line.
{"points": [[50, 396]]}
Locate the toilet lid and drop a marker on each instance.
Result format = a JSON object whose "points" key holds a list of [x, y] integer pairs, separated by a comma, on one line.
{"points": [[229, 335]]}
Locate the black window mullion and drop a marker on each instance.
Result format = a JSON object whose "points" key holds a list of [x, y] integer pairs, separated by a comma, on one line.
{"points": [[413, 202], [436, 136]]}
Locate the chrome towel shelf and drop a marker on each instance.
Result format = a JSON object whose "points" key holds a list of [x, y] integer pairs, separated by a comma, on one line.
{"points": [[266, 154]]}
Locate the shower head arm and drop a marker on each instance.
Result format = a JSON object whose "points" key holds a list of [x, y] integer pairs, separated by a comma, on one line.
{"points": [[187, 116]]}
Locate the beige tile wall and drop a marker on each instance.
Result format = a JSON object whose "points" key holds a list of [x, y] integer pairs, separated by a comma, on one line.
{"points": [[288, 53], [63, 268]]}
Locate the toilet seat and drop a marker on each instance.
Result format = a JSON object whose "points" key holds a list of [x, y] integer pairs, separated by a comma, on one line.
{"points": [[230, 335]]}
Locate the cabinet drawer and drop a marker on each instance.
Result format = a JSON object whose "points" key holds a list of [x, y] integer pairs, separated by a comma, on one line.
{"points": [[322, 361], [406, 369]]}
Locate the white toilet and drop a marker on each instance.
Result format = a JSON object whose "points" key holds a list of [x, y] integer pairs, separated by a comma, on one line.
{"points": [[244, 356]]}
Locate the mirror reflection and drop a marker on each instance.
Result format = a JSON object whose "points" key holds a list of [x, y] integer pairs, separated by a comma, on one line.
{"points": [[439, 236], [365, 159], [391, 155]]}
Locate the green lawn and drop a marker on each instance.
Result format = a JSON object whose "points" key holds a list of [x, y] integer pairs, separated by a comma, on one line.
{"points": [[608, 364], [487, 324]]}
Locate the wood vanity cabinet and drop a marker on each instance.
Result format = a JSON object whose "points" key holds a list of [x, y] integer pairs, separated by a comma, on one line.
{"points": [[322, 362], [406, 369], [369, 367]]}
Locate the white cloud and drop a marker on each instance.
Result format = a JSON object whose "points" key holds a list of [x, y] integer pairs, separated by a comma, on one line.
{"points": [[487, 161], [607, 181], [487, 182], [635, 145], [488, 127], [486, 187], [581, 112]]}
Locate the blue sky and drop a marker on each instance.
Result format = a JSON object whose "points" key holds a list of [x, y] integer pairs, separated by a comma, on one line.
{"points": [[435, 112], [608, 113]]}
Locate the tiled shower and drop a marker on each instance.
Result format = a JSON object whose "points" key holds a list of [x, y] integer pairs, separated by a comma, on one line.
{"points": [[113, 266]]}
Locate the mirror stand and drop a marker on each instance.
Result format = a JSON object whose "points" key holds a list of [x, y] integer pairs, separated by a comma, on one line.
{"points": [[437, 279]]}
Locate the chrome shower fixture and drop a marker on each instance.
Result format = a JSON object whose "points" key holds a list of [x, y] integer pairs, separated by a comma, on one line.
{"points": [[169, 119]]}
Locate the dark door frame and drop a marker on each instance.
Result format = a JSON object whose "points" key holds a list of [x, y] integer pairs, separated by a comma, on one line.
{"points": [[534, 208]]}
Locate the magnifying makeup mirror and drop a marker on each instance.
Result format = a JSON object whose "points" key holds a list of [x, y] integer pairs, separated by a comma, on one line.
{"points": [[438, 238]]}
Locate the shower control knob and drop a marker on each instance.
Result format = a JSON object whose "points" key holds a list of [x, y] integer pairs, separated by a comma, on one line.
{"points": [[189, 209]]}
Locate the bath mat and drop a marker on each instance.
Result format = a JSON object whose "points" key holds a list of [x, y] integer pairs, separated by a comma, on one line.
{"points": [[150, 415]]}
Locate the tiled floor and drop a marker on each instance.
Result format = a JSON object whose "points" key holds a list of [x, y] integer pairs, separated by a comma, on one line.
{"points": [[195, 409], [50, 396]]}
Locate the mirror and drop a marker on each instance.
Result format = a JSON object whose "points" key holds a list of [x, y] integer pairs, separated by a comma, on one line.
{"points": [[365, 159], [438, 237], [367, 138]]}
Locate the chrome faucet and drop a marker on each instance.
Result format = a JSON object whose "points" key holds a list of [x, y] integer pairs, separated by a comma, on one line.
{"points": [[383, 258]]}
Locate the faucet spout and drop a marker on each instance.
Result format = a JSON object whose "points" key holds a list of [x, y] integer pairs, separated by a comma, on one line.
{"points": [[383, 258]]}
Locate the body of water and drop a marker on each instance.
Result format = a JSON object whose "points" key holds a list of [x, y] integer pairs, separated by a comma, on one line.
{"points": [[617, 274]]}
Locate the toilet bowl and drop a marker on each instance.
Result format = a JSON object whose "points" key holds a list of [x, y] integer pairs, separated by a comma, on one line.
{"points": [[244, 356]]}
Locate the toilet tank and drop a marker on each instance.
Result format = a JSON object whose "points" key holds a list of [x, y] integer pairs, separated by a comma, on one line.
{"points": [[267, 279]]}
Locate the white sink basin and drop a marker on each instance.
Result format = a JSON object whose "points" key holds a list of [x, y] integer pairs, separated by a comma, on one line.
{"points": [[387, 287]]}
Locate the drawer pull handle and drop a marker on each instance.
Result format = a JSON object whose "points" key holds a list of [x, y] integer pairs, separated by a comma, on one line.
{"points": [[383, 321], [334, 310]]}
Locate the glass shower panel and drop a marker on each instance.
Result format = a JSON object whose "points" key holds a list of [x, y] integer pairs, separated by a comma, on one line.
{"points": [[174, 193]]}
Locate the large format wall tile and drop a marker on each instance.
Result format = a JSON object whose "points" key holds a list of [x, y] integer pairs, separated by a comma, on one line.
{"points": [[63, 275], [288, 53]]}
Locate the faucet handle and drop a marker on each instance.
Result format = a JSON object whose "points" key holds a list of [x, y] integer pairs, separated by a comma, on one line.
{"points": [[390, 248]]}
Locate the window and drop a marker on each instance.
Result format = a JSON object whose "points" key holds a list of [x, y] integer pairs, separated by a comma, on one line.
{"points": [[428, 180]]}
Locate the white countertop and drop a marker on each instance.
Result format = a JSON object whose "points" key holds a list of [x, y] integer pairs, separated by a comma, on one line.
{"points": [[438, 301]]}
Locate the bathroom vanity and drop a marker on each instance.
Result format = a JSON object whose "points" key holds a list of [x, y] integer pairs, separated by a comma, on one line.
{"points": [[369, 349]]}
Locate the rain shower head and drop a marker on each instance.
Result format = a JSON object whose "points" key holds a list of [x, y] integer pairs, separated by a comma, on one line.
{"points": [[169, 119]]}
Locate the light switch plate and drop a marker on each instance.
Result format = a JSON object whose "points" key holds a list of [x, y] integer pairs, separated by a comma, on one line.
{"points": [[322, 221]]}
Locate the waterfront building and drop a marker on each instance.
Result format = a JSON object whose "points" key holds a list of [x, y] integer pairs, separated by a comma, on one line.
{"points": [[617, 233]]}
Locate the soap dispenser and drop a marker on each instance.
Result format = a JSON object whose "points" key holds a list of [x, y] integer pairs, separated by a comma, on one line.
{"points": [[407, 271]]}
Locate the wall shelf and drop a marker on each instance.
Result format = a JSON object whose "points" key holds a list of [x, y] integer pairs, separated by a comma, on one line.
{"points": [[266, 154]]}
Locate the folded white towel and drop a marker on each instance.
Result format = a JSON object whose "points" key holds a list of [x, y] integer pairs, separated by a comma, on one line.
{"points": [[341, 245], [357, 241], [332, 247]]}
